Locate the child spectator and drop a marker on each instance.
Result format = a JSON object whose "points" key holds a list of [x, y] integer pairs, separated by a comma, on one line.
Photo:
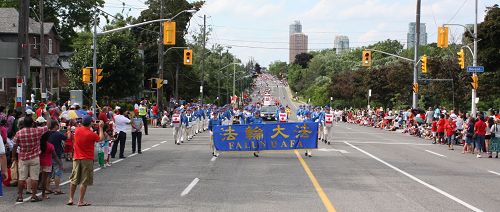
{"points": [[47, 155]]}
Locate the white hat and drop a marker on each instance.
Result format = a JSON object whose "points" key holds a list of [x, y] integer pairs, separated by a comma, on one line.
{"points": [[41, 120], [29, 112]]}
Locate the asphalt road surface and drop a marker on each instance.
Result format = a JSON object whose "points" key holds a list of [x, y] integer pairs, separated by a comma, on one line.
{"points": [[364, 169]]}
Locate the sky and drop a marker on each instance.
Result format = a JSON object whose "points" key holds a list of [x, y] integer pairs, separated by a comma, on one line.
{"points": [[259, 29]]}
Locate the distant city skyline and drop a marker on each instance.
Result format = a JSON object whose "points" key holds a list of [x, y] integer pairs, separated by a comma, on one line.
{"points": [[259, 28], [410, 40], [341, 44]]}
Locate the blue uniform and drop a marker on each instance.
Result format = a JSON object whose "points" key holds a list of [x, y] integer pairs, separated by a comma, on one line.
{"points": [[214, 122]]}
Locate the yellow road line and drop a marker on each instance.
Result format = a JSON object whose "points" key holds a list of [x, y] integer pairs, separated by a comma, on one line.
{"points": [[328, 205]]}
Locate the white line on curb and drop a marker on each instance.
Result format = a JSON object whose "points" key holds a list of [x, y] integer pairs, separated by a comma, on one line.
{"points": [[146, 149], [189, 187], [116, 161], [444, 193], [155, 145], [163, 142]]}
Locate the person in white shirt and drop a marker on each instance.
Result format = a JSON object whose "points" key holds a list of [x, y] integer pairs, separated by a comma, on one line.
{"points": [[121, 124]]}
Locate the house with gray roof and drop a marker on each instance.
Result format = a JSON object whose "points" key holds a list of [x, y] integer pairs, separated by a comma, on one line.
{"points": [[9, 21]]}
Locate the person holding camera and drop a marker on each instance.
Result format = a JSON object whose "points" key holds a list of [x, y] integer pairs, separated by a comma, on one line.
{"points": [[83, 159], [120, 123]]}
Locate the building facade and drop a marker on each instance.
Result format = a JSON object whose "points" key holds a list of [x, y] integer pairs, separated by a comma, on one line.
{"points": [[410, 38], [341, 44], [298, 45], [55, 78]]}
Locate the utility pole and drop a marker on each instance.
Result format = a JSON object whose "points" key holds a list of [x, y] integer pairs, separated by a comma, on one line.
{"points": [[94, 64], [23, 53], [415, 64], [177, 83], [474, 63], [234, 78], [43, 86], [159, 91], [203, 56]]}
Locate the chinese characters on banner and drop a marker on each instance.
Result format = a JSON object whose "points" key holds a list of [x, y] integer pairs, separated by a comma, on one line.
{"points": [[259, 137]]}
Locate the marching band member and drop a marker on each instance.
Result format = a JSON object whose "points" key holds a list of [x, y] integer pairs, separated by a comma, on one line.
{"points": [[256, 119], [308, 119], [184, 128], [213, 122]]}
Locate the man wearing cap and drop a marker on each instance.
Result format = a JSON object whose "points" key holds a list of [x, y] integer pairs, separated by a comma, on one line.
{"points": [[83, 159]]}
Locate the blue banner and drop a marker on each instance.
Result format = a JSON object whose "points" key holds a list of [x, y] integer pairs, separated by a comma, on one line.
{"points": [[259, 137]]}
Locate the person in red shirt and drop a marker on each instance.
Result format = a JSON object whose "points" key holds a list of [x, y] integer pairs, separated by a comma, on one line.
{"points": [[440, 128], [154, 119], [479, 133], [434, 130], [450, 132], [83, 159]]}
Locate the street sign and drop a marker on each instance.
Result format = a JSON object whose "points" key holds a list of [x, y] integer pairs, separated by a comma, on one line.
{"points": [[475, 69]]}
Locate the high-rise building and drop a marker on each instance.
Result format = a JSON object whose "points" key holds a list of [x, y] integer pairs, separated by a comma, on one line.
{"points": [[341, 44], [296, 27], [410, 38], [298, 45]]}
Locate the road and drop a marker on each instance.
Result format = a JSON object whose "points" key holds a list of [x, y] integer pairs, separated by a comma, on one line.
{"points": [[365, 169]]}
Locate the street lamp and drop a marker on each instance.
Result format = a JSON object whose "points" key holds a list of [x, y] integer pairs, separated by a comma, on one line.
{"points": [[94, 46]]}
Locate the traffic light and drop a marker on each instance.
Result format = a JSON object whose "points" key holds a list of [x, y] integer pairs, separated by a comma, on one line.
{"points": [[188, 57], [461, 58], [442, 41], [367, 58], [159, 83], [99, 75], [169, 33], [415, 87], [423, 60], [86, 75], [474, 82]]}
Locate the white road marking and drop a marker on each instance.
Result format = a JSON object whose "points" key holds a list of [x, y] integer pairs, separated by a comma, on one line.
{"points": [[348, 128], [132, 155], [213, 159], [155, 145], [494, 172], [116, 161], [163, 142], [146, 149], [444, 193], [97, 169], [440, 155], [189, 187], [333, 150]]}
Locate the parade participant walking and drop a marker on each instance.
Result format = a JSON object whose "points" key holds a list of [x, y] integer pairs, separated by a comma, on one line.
{"points": [[282, 116], [82, 173], [143, 113], [308, 119], [137, 125], [176, 124], [256, 119], [120, 124], [214, 122], [28, 142], [328, 122]]}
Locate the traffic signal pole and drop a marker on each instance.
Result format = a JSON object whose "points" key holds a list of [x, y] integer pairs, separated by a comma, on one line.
{"points": [[159, 91], [474, 63], [94, 67], [416, 57]]}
